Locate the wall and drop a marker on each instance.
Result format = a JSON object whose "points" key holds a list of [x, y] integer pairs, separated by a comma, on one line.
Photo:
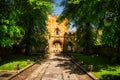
{"points": [[52, 25]]}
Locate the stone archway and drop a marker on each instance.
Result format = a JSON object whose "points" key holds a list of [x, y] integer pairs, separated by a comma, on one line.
{"points": [[57, 46], [70, 47], [56, 33]]}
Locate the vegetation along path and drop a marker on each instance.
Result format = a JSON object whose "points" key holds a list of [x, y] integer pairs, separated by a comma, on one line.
{"points": [[56, 67]]}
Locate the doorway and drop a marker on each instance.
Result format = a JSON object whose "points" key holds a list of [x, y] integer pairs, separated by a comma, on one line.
{"points": [[57, 47]]}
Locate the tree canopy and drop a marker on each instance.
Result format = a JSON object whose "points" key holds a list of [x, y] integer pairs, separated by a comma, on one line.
{"points": [[94, 15], [22, 20]]}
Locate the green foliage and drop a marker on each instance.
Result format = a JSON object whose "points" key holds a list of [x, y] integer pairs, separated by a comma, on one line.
{"points": [[21, 20], [103, 14], [9, 31], [85, 36], [103, 67], [8, 34], [110, 39], [33, 20], [8, 63]]}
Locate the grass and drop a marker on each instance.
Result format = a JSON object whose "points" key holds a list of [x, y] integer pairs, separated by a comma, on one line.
{"points": [[10, 65], [8, 62], [103, 67]]}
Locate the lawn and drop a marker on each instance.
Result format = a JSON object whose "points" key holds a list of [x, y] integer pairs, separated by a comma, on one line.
{"points": [[8, 62], [103, 67]]}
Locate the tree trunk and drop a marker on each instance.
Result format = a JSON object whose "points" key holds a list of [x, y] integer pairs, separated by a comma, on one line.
{"points": [[28, 42]]}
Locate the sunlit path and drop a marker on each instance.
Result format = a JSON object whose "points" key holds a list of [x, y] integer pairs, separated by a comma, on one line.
{"points": [[57, 67]]}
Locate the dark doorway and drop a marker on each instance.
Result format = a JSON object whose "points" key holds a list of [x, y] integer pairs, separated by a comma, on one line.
{"points": [[57, 46]]}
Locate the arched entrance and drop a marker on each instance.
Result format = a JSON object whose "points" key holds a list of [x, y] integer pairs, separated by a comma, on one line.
{"points": [[70, 47], [57, 46]]}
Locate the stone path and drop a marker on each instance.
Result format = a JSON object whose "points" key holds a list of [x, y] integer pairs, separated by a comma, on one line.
{"points": [[57, 67]]}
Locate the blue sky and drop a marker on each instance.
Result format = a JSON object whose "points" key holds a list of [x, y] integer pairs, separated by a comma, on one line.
{"points": [[58, 10]]}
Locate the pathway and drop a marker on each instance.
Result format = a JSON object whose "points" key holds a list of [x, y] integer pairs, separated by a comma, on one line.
{"points": [[57, 67]]}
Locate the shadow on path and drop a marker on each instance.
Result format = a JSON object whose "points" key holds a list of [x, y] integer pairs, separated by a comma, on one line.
{"points": [[66, 64]]}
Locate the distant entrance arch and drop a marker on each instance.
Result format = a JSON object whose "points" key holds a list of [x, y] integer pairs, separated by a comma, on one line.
{"points": [[57, 46], [55, 33]]}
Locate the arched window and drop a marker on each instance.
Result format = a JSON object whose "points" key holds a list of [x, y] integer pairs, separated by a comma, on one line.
{"points": [[57, 31]]}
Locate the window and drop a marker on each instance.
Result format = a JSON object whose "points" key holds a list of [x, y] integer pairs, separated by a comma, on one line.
{"points": [[57, 31]]}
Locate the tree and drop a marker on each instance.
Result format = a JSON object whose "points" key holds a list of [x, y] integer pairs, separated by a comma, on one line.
{"points": [[9, 31], [101, 14], [26, 18], [33, 14]]}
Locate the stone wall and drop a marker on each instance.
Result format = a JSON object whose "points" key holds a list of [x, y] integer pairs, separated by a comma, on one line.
{"points": [[101, 50], [55, 32], [5, 51]]}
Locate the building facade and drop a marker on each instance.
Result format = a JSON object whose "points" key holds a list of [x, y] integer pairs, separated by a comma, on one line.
{"points": [[55, 34]]}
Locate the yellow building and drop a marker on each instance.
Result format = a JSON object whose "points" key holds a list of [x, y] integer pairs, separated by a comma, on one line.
{"points": [[56, 32]]}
